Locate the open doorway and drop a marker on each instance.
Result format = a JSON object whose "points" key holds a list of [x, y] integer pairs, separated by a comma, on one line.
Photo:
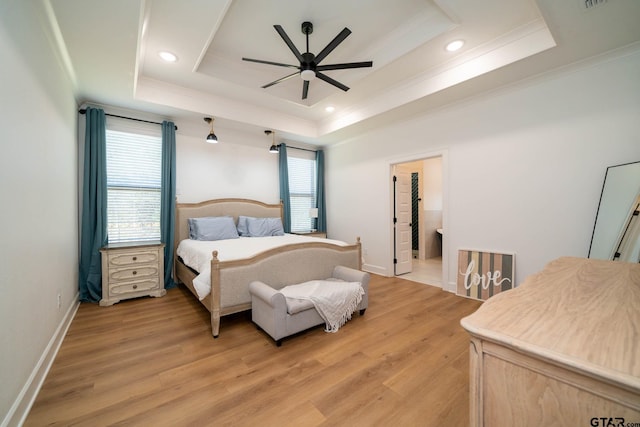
{"points": [[418, 232]]}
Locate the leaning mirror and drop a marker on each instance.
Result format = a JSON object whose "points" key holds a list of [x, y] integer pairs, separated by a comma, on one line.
{"points": [[616, 233]]}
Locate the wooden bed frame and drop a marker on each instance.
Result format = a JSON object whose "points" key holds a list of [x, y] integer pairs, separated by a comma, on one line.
{"points": [[285, 265]]}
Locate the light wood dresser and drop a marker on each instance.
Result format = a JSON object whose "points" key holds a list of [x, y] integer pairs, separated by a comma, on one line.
{"points": [[132, 270], [562, 349]]}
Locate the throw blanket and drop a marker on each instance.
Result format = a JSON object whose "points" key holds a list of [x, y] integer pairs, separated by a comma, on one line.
{"points": [[335, 301]]}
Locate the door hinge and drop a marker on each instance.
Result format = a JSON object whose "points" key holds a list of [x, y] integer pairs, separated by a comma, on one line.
{"points": [[636, 213], [395, 220], [395, 178], [395, 260]]}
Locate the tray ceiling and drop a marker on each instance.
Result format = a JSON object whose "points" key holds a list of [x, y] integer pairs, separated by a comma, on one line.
{"points": [[111, 51]]}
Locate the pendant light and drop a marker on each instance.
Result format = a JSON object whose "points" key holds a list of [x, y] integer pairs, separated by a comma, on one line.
{"points": [[274, 147], [211, 138]]}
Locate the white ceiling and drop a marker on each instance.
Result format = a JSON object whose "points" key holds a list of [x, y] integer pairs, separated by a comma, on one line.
{"points": [[111, 52]]}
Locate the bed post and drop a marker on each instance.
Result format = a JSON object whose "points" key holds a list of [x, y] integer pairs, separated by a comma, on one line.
{"points": [[215, 294]]}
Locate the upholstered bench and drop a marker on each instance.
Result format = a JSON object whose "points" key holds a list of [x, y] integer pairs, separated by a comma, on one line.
{"points": [[269, 307]]}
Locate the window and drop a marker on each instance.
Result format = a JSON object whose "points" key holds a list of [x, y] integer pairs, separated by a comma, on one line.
{"points": [[134, 179], [302, 188]]}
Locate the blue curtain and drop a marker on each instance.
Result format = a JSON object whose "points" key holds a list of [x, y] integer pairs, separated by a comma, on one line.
{"points": [[284, 187], [94, 206], [321, 224], [167, 198]]}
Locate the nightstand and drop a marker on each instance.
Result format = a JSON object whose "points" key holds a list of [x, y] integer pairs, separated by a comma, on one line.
{"points": [[321, 234], [131, 270]]}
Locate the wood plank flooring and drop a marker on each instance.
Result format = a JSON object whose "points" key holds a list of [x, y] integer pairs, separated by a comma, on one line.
{"points": [[153, 362]]}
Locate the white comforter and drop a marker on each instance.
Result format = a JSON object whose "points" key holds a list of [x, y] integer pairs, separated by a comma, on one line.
{"points": [[197, 254]]}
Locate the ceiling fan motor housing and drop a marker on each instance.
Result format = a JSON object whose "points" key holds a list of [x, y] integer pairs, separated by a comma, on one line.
{"points": [[308, 62]]}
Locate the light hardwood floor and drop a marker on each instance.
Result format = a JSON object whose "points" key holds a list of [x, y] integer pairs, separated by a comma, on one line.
{"points": [[153, 362]]}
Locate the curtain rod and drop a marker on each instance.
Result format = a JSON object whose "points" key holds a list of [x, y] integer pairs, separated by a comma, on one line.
{"points": [[84, 110], [296, 148]]}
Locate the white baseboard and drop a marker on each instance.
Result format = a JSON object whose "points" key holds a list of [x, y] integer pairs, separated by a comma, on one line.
{"points": [[22, 405], [375, 269]]}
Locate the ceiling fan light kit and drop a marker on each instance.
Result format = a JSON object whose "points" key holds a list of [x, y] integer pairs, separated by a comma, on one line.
{"points": [[307, 75], [309, 67]]}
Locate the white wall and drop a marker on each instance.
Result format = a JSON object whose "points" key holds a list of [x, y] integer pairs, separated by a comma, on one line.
{"points": [[38, 253], [432, 194], [523, 166], [432, 206], [240, 165]]}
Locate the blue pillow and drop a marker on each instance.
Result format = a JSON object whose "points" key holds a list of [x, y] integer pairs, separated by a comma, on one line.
{"points": [[212, 228], [243, 229], [261, 227]]}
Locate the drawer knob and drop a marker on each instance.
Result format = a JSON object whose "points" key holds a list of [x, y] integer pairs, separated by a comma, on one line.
{"points": [[135, 258], [135, 286], [134, 272]]}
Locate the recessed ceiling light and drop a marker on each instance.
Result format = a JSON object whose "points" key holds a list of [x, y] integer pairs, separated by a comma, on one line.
{"points": [[330, 109], [168, 56], [455, 45]]}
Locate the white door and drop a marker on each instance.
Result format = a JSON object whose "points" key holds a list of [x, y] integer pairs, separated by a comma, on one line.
{"points": [[402, 221]]}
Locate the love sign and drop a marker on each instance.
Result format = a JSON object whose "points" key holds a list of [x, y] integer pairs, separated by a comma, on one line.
{"points": [[484, 274]]}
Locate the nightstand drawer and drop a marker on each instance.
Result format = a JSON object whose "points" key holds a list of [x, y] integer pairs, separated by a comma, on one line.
{"points": [[133, 258], [138, 272], [132, 287]]}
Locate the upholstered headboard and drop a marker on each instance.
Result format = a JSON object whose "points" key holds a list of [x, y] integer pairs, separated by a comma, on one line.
{"points": [[221, 207]]}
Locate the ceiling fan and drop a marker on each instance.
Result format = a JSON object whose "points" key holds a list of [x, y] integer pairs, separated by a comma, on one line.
{"points": [[309, 67]]}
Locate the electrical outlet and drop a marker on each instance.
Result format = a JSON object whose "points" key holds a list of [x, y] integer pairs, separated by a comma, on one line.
{"points": [[59, 300]]}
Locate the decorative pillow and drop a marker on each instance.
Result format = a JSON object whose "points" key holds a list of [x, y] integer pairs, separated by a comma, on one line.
{"points": [[212, 228], [261, 227], [243, 229]]}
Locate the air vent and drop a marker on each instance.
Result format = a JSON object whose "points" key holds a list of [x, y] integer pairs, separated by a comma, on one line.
{"points": [[590, 4]]}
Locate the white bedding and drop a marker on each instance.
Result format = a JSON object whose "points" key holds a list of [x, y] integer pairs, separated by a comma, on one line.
{"points": [[197, 254]]}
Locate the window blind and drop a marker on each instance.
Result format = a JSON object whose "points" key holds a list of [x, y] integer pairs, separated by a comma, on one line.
{"points": [[134, 156], [302, 188]]}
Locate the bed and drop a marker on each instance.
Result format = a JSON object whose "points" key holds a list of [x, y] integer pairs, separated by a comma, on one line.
{"points": [[298, 259]]}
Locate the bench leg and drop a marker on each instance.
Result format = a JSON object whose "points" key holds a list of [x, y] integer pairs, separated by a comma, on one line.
{"points": [[362, 311]]}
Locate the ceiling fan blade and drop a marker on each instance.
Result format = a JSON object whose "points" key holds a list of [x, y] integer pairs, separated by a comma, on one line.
{"points": [[305, 89], [331, 81], [345, 66], [280, 80], [260, 61], [288, 41], [332, 45]]}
